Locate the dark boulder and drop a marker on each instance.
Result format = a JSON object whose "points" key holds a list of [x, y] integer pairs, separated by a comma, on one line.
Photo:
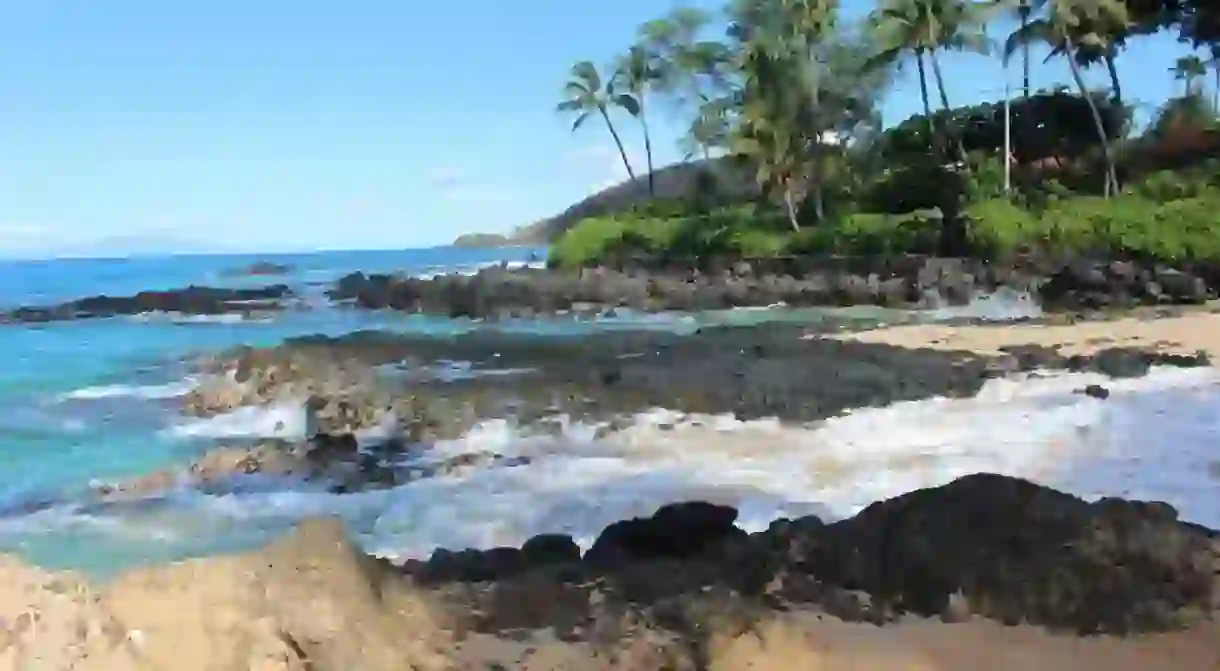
{"points": [[1097, 391], [472, 566], [676, 531], [1019, 552], [548, 549]]}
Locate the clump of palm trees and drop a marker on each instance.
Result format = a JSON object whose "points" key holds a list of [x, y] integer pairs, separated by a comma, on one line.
{"points": [[787, 85]]}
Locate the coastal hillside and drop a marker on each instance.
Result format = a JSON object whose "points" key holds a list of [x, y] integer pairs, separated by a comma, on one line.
{"points": [[725, 176]]}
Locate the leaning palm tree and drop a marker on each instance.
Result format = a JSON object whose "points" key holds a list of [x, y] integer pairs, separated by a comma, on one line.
{"points": [[1067, 29], [1097, 41], [1189, 69], [585, 96], [922, 28], [637, 73]]}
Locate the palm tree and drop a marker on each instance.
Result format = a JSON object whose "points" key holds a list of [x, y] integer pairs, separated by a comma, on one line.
{"points": [[924, 27], [586, 96], [637, 72], [682, 58], [1024, 7], [710, 128], [1187, 69], [1069, 26]]}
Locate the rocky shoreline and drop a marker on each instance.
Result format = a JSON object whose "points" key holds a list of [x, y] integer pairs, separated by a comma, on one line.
{"points": [[905, 282], [682, 589], [501, 292]]}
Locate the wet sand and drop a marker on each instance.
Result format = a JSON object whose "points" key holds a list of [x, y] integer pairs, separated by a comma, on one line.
{"points": [[803, 641], [1184, 334]]}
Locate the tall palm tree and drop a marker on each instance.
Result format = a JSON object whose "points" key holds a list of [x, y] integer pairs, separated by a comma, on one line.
{"points": [[636, 74], [1024, 8], [1068, 27], [923, 28], [1188, 69], [778, 121], [586, 96]]}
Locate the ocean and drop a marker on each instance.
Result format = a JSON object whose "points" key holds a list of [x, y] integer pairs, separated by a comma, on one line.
{"points": [[96, 401]]}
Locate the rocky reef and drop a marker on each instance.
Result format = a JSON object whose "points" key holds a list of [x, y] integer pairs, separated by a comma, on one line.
{"points": [[191, 300], [369, 379], [927, 576]]}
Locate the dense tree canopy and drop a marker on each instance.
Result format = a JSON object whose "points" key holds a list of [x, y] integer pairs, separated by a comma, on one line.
{"points": [[791, 93]]}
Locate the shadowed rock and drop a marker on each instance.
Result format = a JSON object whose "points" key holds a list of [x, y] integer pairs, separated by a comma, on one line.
{"points": [[986, 545]]}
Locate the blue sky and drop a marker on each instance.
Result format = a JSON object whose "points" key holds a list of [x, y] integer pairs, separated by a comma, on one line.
{"points": [[362, 124]]}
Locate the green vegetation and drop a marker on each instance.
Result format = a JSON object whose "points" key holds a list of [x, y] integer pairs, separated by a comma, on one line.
{"points": [[782, 100]]}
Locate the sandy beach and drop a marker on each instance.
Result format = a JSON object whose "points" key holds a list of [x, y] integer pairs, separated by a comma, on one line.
{"points": [[1184, 334]]}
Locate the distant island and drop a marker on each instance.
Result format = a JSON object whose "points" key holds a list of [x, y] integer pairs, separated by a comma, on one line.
{"points": [[483, 240]]}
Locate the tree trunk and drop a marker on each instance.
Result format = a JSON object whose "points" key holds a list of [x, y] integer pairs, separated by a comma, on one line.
{"points": [[1024, 11], [1216, 92], [1111, 177], [652, 187], [1116, 86], [944, 101], [927, 106], [619, 143], [790, 205]]}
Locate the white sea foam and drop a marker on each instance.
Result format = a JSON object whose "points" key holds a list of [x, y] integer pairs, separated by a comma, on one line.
{"points": [[157, 391], [1002, 305], [286, 419], [473, 269], [1154, 438]]}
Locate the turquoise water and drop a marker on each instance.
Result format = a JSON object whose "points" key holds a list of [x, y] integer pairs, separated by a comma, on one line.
{"points": [[96, 401], [93, 400]]}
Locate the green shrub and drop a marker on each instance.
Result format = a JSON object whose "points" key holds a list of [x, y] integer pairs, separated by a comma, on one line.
{"points": [[986, 180], [869, 233], [744, 230], [1138, 227], [1167, 185], [997, 227], [599, 239]]}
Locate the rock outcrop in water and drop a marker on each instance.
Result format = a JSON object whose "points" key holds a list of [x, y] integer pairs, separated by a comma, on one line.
{"points": [[682, 589], [798, 281], [337, 461], [192, 300], [754, 372], [261, 269]]}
